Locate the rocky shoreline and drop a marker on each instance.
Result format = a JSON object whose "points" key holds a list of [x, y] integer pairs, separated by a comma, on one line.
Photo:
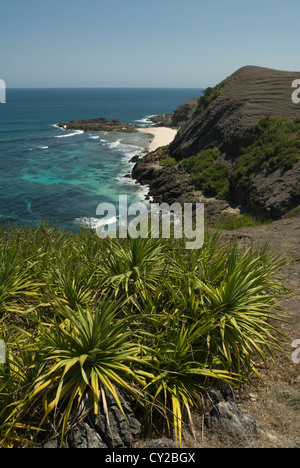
{"points": [[174, 185], [99, 125]]}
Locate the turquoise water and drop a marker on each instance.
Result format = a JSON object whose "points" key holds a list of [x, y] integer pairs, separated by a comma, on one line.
{"points": [[62, 176]]}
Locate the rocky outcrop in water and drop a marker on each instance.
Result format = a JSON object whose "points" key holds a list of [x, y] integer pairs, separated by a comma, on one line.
{"points": [[99, 125], [180, 116]]}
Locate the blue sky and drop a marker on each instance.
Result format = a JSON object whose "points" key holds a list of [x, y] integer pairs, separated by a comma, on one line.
{"points": [[139, 43]]}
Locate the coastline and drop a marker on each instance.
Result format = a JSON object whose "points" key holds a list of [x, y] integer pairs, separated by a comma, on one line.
{"points": [[162, 136]]}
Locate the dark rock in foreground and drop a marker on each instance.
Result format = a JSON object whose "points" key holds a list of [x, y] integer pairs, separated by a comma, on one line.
{"points": [[227, 418], [99, 125], [222, 415], [83, 436], [119, 433], [162, 443]]}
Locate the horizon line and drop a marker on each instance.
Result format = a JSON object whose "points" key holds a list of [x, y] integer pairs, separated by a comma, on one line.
{"points": [[105, 87]]}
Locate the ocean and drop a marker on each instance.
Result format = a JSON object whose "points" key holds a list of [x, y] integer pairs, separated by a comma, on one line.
{"points": [[47, 173]]}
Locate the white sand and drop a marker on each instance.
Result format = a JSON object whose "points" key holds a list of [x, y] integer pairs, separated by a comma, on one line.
{"points": [[162, 136]]}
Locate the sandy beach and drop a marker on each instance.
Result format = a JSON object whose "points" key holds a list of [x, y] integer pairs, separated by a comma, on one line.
{"points": [[162, 136]]}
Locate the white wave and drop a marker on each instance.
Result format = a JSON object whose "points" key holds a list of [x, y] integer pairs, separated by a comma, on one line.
{"points": [[94, 137], [106, 222], [43, 147], [94, 223], [115, 144], [145, 120], [77, 132]]}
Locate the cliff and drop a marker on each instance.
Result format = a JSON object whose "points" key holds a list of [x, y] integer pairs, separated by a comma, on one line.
{"points": [[241, 144], [247, 96]]}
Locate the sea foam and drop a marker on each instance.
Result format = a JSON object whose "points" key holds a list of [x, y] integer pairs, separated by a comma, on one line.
{"points": [[94, 223], [77, 132]]}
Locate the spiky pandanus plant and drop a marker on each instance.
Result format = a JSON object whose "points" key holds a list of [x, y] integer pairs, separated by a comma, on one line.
{"points": [[87, 353]]}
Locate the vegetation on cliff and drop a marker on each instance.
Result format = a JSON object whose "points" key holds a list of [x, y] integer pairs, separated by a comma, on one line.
{"points": [[263, 164], [271, 144], [81, 317], [209, 95], [207, 174]]}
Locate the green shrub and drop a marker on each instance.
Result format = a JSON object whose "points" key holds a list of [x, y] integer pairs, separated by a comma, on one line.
{"points": [[209, 95], [270, 145], [209, 176], [231, 222], [164, 152], [168, 162]]}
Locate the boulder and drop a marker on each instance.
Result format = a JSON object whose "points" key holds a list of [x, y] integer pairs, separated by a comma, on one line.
{"points": [[83, 436], [226, 417], [120, 432]]}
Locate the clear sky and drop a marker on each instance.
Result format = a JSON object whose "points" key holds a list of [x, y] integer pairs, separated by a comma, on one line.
{"points": [[139, 43]]}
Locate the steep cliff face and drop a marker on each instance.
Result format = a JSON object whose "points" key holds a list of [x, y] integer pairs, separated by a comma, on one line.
{"points": [[251, 124], [247, 96]]}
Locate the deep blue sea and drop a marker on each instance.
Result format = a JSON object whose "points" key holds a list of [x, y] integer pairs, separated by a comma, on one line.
{"points": [[47, 173]]}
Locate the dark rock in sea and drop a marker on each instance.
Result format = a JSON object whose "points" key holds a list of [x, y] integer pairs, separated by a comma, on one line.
{"points": [[181, 115], [127, 176], [161, 120], [99, 125], [134, 159], [226, 417]]}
